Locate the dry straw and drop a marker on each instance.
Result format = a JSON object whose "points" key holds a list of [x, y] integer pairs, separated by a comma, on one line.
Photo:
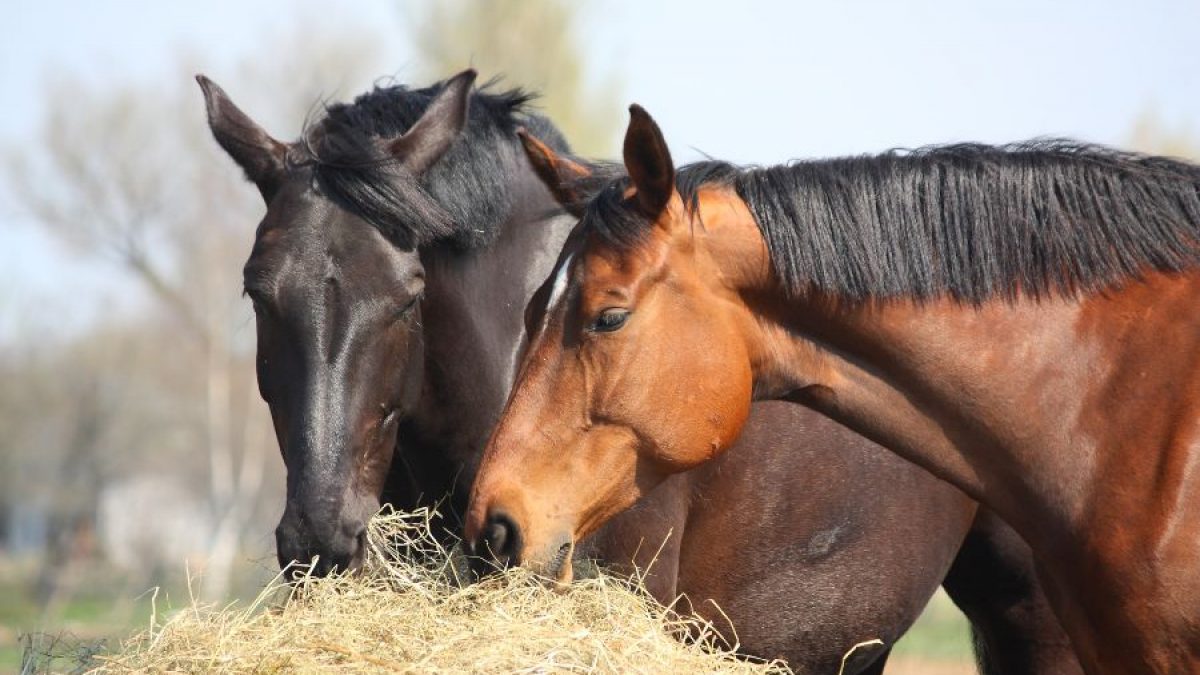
{"points": [[403, 613]]}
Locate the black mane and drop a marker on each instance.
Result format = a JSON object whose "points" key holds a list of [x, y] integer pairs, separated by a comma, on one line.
{"points": [[463, 198], [968, 221]]}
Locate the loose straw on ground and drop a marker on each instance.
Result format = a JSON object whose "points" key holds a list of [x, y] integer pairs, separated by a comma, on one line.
{"points": [[403, 614]]}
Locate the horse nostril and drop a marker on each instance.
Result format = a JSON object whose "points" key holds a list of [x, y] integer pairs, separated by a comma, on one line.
{"points": [[496, 537], [501, 538]]}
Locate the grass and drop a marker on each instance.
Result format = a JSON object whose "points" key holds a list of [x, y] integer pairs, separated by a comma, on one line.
{"points": [[93, 616], [100, 608], [940, 634], [99, 613]]}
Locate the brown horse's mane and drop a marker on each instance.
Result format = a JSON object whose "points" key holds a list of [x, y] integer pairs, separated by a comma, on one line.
{"points": [[968, 221], [463, 198]]}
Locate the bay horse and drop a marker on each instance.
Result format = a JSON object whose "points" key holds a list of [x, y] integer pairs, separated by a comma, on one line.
{"points": [[404, 234], [1019, 320]]}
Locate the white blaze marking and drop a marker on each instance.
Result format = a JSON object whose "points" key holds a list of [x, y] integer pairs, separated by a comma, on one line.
{"points": [[561, 281]]}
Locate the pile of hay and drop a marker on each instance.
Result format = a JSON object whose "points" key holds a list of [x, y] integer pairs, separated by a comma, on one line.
{"points": [[404, 616]]}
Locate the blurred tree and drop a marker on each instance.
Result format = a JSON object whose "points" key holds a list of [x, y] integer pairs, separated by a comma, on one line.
{"points": [[536, 44], [130, 174], [1150, 134]]}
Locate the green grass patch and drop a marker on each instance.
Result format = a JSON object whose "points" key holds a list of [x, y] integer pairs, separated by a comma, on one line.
{"points": [[940, 634], [100, 607]]}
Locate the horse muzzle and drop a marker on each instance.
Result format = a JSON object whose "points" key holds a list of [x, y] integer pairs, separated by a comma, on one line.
{"points": [[501, 543], [320, 551]]}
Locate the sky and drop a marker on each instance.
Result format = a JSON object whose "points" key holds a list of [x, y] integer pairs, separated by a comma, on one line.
{"points": [[753, 81]]}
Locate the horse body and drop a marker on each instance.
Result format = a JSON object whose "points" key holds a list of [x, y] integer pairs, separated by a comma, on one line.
{"points": [[1104, 488], [841, 550], [847, 547], [1019, 322], [993, 582]]}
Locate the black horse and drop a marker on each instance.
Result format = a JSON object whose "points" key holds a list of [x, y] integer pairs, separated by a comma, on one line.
{"points": [[404, 235]]}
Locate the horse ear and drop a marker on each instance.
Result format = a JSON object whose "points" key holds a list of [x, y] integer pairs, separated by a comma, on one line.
{"points": [[432, 135], [561, 175], [648, 162], [259, 155]]}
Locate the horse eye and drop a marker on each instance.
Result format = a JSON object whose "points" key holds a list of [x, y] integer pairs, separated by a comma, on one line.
{"points": [[610, 320], [409, 307]]}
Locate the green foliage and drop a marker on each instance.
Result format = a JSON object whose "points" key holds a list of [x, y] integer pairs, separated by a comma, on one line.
{"points": [[535, 44]]}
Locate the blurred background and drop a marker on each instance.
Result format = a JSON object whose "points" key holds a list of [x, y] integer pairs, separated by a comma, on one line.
{"points": [[134, 450]]}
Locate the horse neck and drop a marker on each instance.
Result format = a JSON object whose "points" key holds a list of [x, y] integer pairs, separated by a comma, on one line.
{"points": [[473, 322], [1007, 400], [960, 391]]}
